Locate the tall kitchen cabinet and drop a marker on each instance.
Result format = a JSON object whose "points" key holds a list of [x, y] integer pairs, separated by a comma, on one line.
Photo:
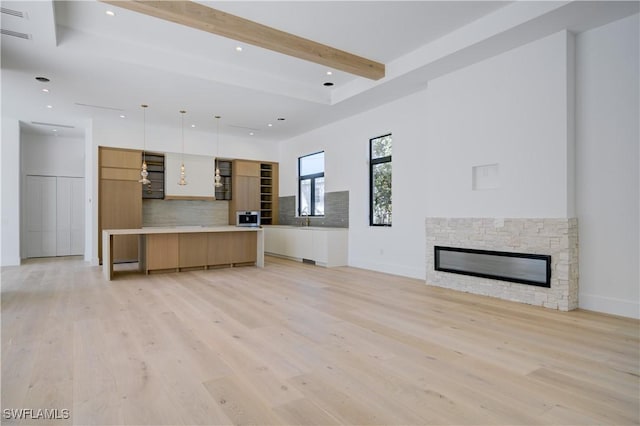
{"points": [[253, 190], [120, 200], [54, 223]]}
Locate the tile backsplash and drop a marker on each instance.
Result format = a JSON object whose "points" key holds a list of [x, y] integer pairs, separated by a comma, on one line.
{"points": [[336, 211], [184, 212]]}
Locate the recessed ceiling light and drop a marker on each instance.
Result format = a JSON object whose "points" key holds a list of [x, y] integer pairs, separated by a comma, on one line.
{"points": [[328, 84], [43, 79], [45, 90], [49, 106], [110, 13], [270, 125], [193, 125], [329, 72], [251, 133], [239, 49], [54, 130], [123, 116]]}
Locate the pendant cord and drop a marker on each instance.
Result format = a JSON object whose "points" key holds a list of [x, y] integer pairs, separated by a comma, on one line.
{"points": [[144, 133]]}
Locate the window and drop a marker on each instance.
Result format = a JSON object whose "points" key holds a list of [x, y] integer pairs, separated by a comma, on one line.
{"points": [[380, 181], [311, 185]]}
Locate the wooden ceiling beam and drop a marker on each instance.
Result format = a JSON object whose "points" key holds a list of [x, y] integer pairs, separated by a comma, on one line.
{"points": [[214, 21]]}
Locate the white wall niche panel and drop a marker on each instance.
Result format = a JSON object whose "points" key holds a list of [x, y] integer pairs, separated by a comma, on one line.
{"points": [[486, 176]]}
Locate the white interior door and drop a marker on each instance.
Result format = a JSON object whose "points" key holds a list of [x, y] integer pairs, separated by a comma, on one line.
{"points": [[41, 216], [54, 216], [77, 216], [63, 217]]}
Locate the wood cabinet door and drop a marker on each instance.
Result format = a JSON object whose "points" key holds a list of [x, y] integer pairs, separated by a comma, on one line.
{"points": [[120, 158], [121, 208], [219, 248], [247, 193], [244, 247], [246, 168], [193, 250], [162, 251]]}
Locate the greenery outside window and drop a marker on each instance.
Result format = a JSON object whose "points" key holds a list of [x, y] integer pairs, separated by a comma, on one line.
{"points": [[380, 181], [311, 185]]}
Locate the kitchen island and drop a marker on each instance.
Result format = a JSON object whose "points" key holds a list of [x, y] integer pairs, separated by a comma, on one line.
{"points": [[183, 247]]}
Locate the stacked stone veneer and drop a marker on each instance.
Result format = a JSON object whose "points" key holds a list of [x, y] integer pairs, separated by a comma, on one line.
{"points": [[555, 237]]}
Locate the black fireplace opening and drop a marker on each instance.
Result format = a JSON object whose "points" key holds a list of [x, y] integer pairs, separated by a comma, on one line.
{"points": [[523, 268]]}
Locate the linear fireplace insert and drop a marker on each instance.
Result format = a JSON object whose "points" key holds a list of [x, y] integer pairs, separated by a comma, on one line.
{"points": [[524, 268]]}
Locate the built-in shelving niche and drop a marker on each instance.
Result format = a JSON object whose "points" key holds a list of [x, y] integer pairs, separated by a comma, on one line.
{"points": [[155, 167], [266, 194], [224, 192]]}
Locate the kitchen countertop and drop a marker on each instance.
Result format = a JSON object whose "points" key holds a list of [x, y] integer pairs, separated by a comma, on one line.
{"points": [[312, 228], [178, 229]]}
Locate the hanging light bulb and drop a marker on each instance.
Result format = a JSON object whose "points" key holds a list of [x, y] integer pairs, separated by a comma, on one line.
{"points": [[143, 169], [217, 179], [182, 180]]}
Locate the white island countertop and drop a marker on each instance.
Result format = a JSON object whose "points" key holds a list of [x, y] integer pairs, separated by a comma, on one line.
{"points": [[179, 229]]}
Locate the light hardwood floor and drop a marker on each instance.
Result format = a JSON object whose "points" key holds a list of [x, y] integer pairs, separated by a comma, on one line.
{"points": [[298, 344]]}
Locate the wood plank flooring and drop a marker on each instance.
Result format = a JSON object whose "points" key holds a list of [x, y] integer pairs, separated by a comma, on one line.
{"points": [[298, 344]]}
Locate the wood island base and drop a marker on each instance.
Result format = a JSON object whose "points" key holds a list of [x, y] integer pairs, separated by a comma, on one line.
{"points": [[181, 248]]}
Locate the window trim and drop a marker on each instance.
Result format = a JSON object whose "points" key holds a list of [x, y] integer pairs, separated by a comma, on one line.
{"points": [[313, 177], [372, 163]]}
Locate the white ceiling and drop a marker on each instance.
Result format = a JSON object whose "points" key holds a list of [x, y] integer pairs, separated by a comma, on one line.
{"points": [[103, 67]]}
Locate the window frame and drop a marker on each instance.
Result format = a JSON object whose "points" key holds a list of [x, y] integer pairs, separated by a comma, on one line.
{"points": [[372, 163], [312, 177]]}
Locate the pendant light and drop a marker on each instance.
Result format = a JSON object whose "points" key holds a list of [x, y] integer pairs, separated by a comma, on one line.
{"points": [[217, 179], [143, 169], [182, 180]]}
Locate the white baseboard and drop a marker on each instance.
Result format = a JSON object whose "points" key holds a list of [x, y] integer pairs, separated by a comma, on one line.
{"points": [[389, 268], [609, 305], [11, 261]]}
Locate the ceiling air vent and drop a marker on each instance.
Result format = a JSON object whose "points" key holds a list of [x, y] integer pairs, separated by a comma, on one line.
{"points": [[15, 34], [12, 12], [98, 106], [40, 123], [238, 126]]}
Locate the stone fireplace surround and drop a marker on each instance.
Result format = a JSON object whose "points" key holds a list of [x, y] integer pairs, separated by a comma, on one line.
{"points": [[557, 237]]}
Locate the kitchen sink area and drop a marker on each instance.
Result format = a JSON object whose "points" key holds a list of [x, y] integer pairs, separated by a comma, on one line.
{"points": [[323, 246]]}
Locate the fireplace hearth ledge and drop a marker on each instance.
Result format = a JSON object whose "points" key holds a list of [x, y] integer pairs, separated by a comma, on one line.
{"points": [[557, 237]]}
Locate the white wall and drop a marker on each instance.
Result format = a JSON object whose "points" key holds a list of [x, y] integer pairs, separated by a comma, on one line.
{"points": [[128, 134], [52, 156], [511, 109], [607, 167], [398, 249], [10, 182]]}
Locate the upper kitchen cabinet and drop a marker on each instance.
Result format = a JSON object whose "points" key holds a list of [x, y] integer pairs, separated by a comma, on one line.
{"points": [[224, 192], [254, 187], [199, 175], [155, 167], [119, 200]]}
